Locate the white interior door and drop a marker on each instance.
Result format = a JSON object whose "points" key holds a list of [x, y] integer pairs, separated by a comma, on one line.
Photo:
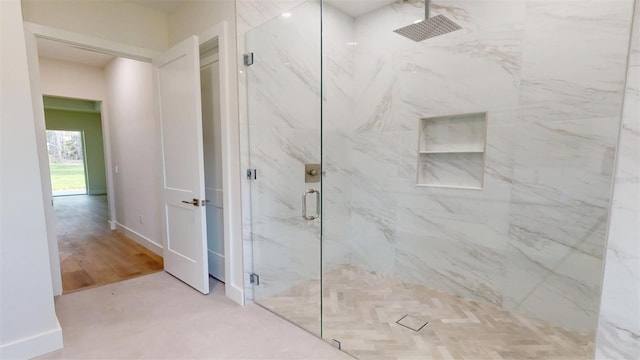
{"points": [[210, 89], [177, 75]]}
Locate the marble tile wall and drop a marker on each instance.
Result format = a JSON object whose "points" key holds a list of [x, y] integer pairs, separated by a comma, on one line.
{"points": [[550, 74], [532, 239], [569, 110], [282, 96], [619, 323], [251, 14], [443, 238], [337, 101]]}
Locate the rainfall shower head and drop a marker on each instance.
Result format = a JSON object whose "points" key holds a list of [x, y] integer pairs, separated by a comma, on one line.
{"points": [[429, 27]]}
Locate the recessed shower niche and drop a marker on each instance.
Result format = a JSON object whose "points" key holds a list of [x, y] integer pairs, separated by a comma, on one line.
{"points": [[451, 151]]}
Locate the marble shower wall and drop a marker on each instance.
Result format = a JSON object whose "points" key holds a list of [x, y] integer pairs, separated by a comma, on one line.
{"points": [[281, 91], [250, 14], [283, 94], [550, 74], [619, 324]]}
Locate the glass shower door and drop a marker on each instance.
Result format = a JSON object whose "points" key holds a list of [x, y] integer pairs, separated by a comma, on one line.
{"points": [[284, 122]]}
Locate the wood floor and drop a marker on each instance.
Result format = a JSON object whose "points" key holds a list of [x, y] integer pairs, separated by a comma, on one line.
{"points": [[90, 253]]}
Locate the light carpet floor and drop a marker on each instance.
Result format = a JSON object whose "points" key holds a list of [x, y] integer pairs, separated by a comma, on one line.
{"points": [[158, 317]]}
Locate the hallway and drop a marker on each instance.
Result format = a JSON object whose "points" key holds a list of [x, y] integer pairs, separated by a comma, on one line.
{"points": [[90, 253]]}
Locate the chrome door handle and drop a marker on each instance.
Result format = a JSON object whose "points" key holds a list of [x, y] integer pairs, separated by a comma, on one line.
{"points": [[304, 204]]}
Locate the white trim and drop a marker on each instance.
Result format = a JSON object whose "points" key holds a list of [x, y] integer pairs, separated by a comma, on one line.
{"points": [[43, 160], [232, 199], [234, 293], [139, 238], [33, 346], [108, 162], [89, 42]]}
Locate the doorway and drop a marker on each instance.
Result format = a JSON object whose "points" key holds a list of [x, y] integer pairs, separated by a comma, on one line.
{"points": [[212, 146], [90, 253], [75, 139], [67, 162], [232, 237]]}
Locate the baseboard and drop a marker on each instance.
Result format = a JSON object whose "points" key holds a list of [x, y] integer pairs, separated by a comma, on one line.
{"points": [[140, 239], [234, 293], [33, 346]]}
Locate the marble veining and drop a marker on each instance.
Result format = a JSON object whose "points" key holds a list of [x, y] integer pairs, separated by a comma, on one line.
{"points": [[549, 74], [619, 323]]}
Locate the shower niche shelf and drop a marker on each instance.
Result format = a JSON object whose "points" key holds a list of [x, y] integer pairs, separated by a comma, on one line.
{"points": [[451, 151]]}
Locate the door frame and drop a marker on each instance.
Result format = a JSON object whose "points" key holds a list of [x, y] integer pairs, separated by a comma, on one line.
{"points": [[231, 180], [234, 287]]}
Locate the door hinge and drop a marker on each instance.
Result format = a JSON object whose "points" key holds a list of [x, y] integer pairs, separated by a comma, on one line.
{"points": [[248, 59], [254, 279], [252, 174]]}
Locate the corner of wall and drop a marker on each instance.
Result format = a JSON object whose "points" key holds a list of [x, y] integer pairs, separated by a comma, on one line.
{"points": [[619, 321]]}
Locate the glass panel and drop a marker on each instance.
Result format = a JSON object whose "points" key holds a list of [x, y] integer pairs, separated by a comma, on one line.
{"points": [[511, 268], [66, 162], [283, 87]]}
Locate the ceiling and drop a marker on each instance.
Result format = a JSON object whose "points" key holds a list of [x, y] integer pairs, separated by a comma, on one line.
{"points": [[60, 51], [356, 8], [353, 8], [166, 6], [57, 50]]}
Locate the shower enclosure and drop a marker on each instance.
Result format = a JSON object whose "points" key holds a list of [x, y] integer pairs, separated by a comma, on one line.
{"points": [[462, 183]]}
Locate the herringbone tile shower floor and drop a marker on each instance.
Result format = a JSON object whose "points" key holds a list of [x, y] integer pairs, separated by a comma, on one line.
{"points": [[361, 309]]}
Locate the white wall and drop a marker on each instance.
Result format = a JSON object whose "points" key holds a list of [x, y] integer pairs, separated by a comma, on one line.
{"points": [[119, 21], [619, 325], [134, 149], [192, 18], [28, 325], [68, 79]]}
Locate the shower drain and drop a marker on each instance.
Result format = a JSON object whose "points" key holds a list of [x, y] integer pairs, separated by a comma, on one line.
{"points": [[411, 322]]}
